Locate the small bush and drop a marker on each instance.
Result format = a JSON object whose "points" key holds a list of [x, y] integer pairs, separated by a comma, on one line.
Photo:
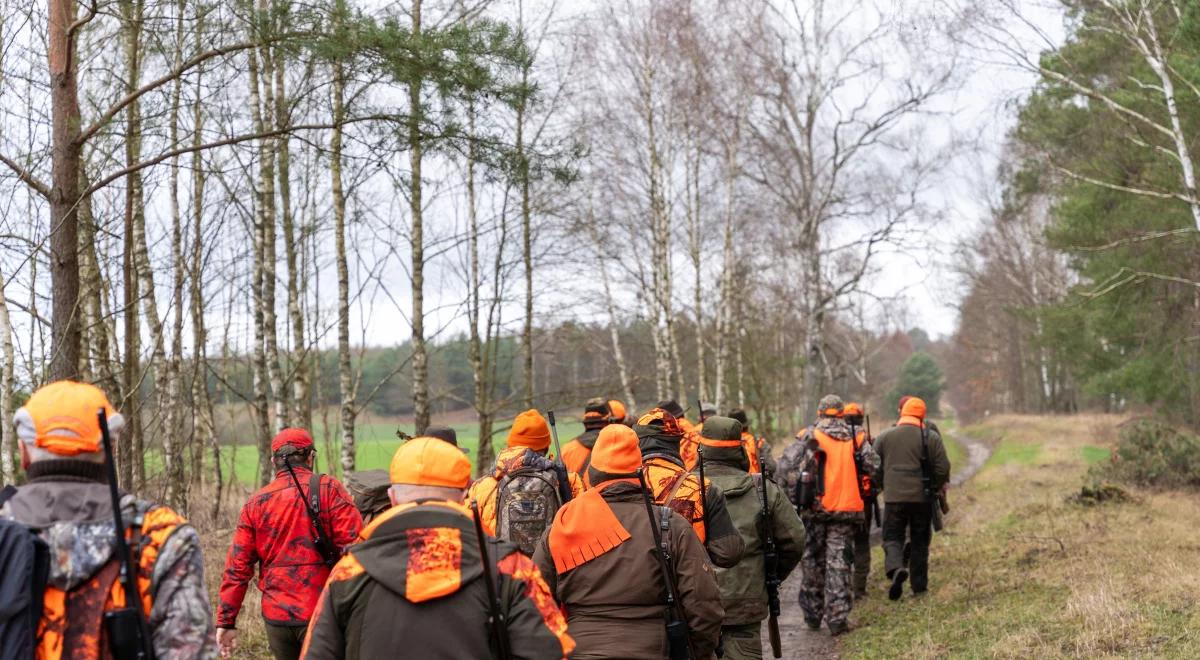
{"points": [[1155, 454]]}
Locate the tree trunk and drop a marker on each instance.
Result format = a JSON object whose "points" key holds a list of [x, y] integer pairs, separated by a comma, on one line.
{"points": [[8, 440], [695, 245], [262, 226], [420, 366], [172, 432], [484, 454], [301, 413], [614, 336], [526, 245], [66, 338], [345, 376]]}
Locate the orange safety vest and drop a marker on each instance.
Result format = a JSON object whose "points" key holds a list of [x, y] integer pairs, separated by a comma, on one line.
{"points": [[841, 477], [72, 622]]}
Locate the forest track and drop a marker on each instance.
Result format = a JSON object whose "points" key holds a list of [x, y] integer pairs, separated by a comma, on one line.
{"points": [[799, 642]]}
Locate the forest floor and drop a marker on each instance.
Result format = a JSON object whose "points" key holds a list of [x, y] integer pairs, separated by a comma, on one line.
{"points": [[1025, 568]]}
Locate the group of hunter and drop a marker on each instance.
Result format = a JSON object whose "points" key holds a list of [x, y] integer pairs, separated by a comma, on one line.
{"points": [[648, 537]]}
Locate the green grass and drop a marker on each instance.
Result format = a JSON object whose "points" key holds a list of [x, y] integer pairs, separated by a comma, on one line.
{"points": [[376, 443], [1093, 454], [1011, 451]]}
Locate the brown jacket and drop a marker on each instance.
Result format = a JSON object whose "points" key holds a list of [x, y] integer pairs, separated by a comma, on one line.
{"points": [[615, 603], [415, 585]]}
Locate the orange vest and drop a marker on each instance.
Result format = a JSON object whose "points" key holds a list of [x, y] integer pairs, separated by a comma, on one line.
{"points": [[72, 622], [841, 478]]}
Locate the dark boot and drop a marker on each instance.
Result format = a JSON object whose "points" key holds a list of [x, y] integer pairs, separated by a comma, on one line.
{"points": [[813, 624], [836, 629], [898, 579]]}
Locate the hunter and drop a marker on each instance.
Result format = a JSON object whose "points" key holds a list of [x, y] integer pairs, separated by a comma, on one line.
{"points": [[602, 564], [691, 435], [743, 589], [596, 415], [757, 449], [673, 486], [67, 504], [416, 584], [525, 489], [854, 417], [914, 469], [293, 538], [832, 507]]}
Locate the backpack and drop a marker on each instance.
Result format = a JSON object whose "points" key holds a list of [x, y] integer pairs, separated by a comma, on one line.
{"points": [[370, 491], [526, 501], [26, 562]]}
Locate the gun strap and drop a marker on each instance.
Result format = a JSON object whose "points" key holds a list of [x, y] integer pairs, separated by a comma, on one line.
{"points": [[312, 503]]}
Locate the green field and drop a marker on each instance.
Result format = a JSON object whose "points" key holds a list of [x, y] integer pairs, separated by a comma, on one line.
{"points": [[376, 442]]}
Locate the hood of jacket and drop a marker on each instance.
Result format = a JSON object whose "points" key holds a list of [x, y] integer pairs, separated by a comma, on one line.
{"points": [[427, 550]]}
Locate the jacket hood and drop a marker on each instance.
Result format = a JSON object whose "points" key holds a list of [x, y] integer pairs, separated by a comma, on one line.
{"points": [[731, 456], [661, 445], [424, 551]]}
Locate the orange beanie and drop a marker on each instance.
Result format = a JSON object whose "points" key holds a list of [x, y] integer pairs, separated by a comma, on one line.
{"points": [[530, 430], [62, 418], [617, 410], [913, 407], [616, 450], [429, 461], [852, 409]]}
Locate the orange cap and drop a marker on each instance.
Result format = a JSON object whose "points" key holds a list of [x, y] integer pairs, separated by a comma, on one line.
{"points": [[616, 450], [852, 409], [530, 430], [63, 417], [913, 407], [428, 461], [617, 410]]}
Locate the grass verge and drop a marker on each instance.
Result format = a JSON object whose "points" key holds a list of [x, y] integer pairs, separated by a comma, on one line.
{"points": [[1022, 571]]}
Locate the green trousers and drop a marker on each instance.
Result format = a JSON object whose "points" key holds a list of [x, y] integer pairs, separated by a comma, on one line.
{"points": [[742, 642]]}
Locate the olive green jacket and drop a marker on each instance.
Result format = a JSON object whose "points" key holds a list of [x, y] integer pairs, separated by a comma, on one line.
{"points": [[899, 449], [743, 587]]}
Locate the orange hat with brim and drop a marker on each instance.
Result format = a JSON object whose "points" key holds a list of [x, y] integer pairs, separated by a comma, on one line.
{"points": [[62, 418], [429, 461], [616, 450], [530, 430], [913, 407]]}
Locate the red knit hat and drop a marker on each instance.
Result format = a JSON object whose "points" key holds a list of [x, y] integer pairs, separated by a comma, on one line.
{"points": [[298, 438]]}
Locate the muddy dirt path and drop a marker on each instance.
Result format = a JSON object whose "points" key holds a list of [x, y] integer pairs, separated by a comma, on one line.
{"points": [[801, 643]]}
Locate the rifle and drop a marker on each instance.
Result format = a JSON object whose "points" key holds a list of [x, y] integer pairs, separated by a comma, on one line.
{"points": [[678, 636], [560, 468], [496, 618], [703, 494], [770, 565], [324, 546], [127, 628], [931, 498]]}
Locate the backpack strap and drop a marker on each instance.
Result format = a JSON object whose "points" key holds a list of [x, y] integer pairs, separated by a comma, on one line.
{"points": [[314, 493], [7, 493]]}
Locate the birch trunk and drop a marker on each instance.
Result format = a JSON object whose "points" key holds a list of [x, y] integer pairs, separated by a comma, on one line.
{"points": [[695, 244], [419, 357], [301, 413], [345, 375], [261, 227], [8, 440], [614, 333], [173, 461], [526, 240], [485, 455]]}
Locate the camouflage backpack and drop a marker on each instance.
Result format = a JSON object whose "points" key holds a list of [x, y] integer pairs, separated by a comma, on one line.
{"points": [[526, 500]]}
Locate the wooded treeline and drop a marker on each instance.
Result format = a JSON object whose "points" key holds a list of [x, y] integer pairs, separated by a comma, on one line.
{"points": [[1084, 291], [229, 203]]}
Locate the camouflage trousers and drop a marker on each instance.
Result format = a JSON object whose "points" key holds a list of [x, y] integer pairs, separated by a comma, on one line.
{"points": [[828, 555]]}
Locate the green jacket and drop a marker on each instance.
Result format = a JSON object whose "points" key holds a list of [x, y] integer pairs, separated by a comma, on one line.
{"points": [[899, 449], [743, 587]]}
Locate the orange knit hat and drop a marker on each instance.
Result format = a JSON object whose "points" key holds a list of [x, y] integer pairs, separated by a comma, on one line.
{"points": [[62, 418], [616, 450], [913, 407], [617, 410], [530, 430], [428, 461]]}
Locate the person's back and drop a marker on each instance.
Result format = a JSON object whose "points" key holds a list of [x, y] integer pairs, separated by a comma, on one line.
{"points": [[743, 587], [600, 561], [415, 583], [671, 485], [68, 504], [275, 535]]}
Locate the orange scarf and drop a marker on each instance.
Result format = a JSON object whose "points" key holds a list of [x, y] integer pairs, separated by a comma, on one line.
{"points": [[585, 529]]}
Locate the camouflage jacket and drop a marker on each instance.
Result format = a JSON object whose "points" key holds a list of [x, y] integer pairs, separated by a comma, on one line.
{"points": [[74, 517], [800, 452]]}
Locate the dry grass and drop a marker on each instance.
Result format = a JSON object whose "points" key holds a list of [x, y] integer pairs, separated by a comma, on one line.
{"points": [[1023, 572]]}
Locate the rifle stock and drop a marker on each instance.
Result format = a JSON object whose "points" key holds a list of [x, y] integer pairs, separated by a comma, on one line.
{"points": [[560, 468], [679, 638]]}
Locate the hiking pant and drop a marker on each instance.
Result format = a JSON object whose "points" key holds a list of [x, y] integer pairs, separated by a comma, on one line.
{"points": [[914, 520], [862, 559], [742, 642], [828, 555], [286, 641]]}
